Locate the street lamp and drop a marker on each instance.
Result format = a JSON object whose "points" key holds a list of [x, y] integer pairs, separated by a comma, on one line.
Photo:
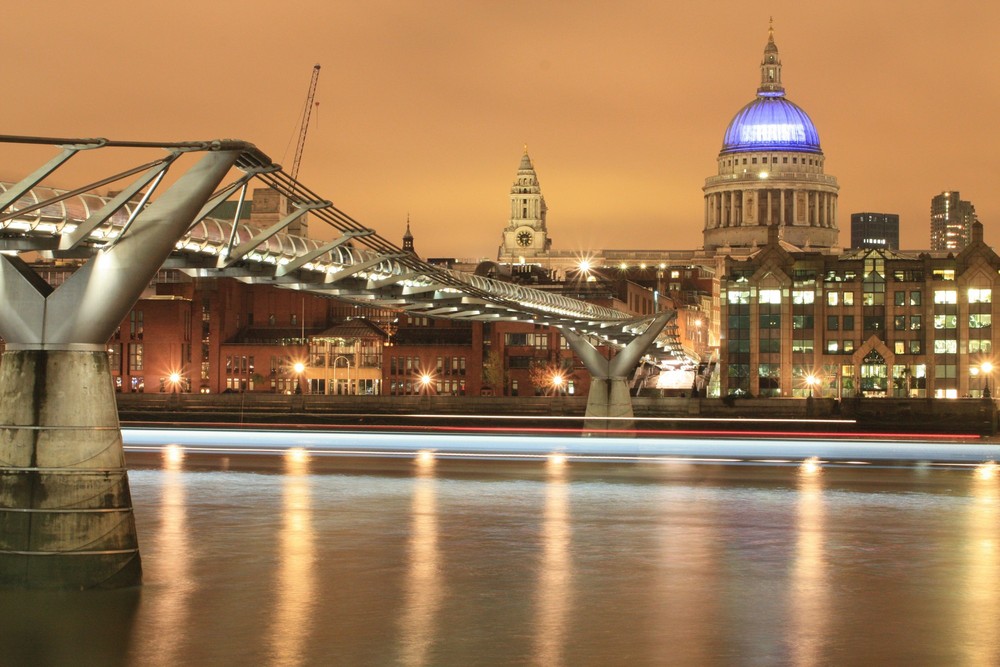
{"points": [[811, 380], [175, 379], [299, 368], [425, 382], [557, 382]]}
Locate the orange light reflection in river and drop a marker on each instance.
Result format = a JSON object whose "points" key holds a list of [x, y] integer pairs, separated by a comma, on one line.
{"points": [[809, 605], [424, 584], [297, 573], [981, 579], [553, 597], [173, 576]]}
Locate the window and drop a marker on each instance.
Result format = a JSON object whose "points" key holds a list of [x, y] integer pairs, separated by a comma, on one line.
{"points": [[946, 347], [899, 347], [770, 345], [833, 298], [946, 321], [832, 347], [915, 298], [848, 322], [899, 323], [945, 296], [915, 347], [832, 323], [980, 321], [977, 295], [980, 345], [135, 357], [801, 297], [802, 346], [739, 296], [135, 323], [770, 296], [848, 298], [848, 346], [916, 323], [802, 321], [899, 298]]}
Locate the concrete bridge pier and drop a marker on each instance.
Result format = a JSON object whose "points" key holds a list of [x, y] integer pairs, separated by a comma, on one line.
{"points": [[609, 403], [66, 518]]}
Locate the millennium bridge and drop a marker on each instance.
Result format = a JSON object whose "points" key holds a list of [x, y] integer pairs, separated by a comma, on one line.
{"points": [[65, 510]]}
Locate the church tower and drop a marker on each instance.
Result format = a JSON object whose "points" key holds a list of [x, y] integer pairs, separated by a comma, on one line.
{"points": [[408, 238], [525, 236]]}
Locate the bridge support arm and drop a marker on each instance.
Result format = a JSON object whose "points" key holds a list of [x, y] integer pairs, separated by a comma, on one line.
{"points": [[609, 403]]}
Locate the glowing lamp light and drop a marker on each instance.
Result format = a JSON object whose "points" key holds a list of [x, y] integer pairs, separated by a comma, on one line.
{"points": [[584, 266], [810, 466], [987, 367], [762, 175], [299, 367], [175, 378], [425, 379], [297, 455], [558, 380], [987, 471]]}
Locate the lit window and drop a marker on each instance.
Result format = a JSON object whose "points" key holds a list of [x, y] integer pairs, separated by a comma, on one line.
{"points": [[945, 296], [977, 295], [800, 297], [770, 296]]}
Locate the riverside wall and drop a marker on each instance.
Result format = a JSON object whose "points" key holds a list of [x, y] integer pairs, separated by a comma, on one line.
{"points": [[882, 415]]}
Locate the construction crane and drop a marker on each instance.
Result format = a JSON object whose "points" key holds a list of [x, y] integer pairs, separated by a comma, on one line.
{"points": [[300, 227], [304, 127]]}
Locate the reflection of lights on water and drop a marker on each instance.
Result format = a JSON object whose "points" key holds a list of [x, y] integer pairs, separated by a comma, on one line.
{"points": [[297, 455], [557, 458], [987, 471], [174, 455], [811, 466], [425, 457]]}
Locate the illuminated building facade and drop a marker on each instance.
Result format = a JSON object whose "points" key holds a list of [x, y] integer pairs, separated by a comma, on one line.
{"points": [[873, 323], [770, 173], [951, 221], [875, 230]]}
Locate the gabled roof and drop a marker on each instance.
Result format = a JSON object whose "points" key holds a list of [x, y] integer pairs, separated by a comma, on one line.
{"points": [[357, 328]]}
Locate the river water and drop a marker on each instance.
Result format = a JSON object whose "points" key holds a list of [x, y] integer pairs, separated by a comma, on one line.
{"points": [[286, 560]]}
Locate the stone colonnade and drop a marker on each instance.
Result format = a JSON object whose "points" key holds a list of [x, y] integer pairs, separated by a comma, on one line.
{"points": [[770, 206]]}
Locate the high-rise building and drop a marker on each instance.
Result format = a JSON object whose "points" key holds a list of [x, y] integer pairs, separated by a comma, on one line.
{"points": [[875, 230], [770, 173], [951, 222]]}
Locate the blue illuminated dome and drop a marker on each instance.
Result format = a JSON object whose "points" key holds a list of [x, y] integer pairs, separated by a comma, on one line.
{"points": [[771, 123]]}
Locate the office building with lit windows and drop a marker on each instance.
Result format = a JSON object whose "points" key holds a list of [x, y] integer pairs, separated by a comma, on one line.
{"points": [[875, 230], [869, 322]]}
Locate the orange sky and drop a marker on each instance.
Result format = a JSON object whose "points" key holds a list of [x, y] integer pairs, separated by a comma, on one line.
{"points": [[425, 106]]}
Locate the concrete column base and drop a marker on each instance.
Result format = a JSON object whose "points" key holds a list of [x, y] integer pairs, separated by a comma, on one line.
{"points": [[608, 397], [66, 518]]}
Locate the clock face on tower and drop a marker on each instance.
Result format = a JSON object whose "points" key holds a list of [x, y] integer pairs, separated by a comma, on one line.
{"points": [[525, 238]]}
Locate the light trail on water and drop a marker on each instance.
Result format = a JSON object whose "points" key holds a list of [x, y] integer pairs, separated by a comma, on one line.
{"points": [[736, 447]]}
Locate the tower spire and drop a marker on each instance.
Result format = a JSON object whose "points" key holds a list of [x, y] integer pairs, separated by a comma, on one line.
{"points": [[770, 67]]}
